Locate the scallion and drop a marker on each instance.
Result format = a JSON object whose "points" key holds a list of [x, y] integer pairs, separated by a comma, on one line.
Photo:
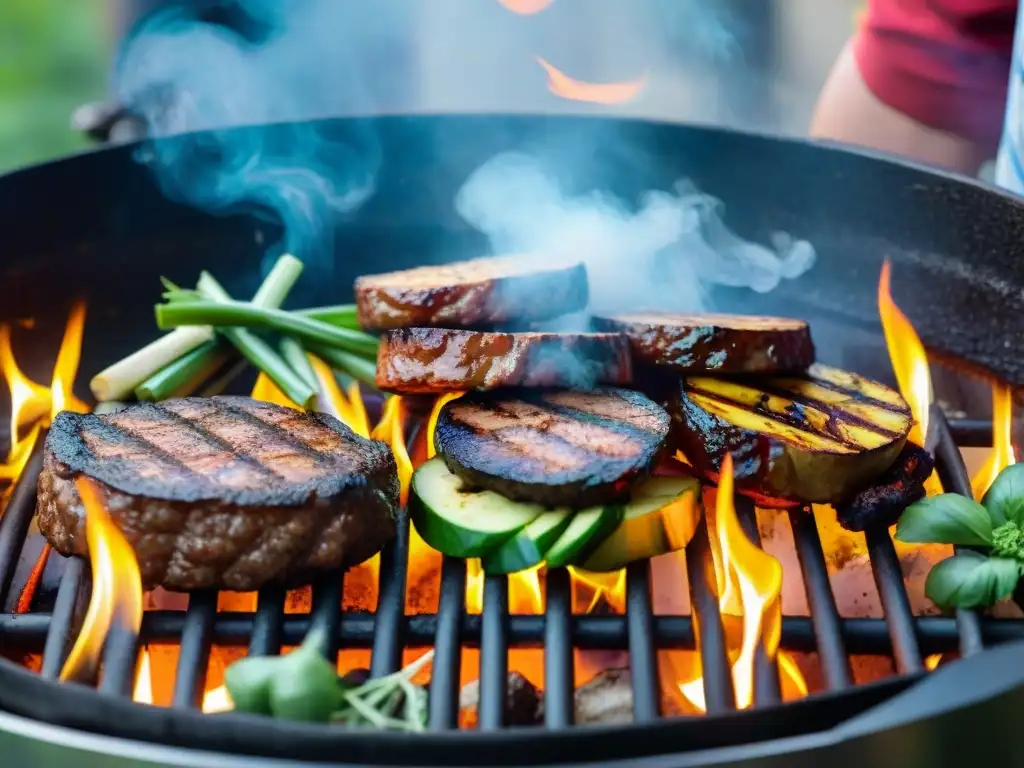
{"points": [[293, 353], [181, 377], [357, 367], [342, 315]]}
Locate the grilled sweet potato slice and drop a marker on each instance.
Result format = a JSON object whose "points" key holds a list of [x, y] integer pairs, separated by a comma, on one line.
{"points": [[471, 294], [818, 437], [555, 447], [707, 343], [437, 360]]}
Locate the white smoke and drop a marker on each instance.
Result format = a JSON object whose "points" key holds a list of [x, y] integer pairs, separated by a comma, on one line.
{"points": [[663, 255]]}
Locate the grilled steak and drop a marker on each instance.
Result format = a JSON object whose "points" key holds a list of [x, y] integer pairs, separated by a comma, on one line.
{"points": [[557, 447], [436, 360], [223, 492], [715, 343], [470, 294]]}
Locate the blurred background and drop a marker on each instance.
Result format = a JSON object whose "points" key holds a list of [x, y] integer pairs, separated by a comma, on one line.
{"points": [[55, 55]]}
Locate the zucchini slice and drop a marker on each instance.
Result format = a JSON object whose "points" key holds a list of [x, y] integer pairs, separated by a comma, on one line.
{"points": [[814, 438], [661, 517], [586, 531], [528, 548], [463, 523]]}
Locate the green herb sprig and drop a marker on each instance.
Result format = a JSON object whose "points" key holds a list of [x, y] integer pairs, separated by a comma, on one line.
{"points": [[305, 687], [993, 530]]}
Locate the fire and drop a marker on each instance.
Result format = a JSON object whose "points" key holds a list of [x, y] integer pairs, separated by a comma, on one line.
{"points": [[62, 398], [116, 586], [600, 587], [391, 430], [347, 407], [748, 582], [910, 364], [568, 87], [1002, 454], [432, 421], [526, 7]]}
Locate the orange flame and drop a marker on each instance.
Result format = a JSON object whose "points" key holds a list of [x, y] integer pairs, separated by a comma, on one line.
{"points": [[391, 430], [116, 586], [268, 392], [62, 398], [1002, 454], [602, 587], [749, 586], [349, 408], [568, 87], [432, 421], [910, 364], [526, 7]]}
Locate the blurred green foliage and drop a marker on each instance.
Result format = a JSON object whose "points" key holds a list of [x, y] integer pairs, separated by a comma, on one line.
{"points": [[53, 58]]}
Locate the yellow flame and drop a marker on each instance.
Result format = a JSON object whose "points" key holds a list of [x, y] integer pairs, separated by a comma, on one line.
{"points": [[143, 692], [268, 392], [116, 586], [1002, 454], [391, 430], [349, 409], [607, 587], [439, 403], [909, 363], [65, 369]]}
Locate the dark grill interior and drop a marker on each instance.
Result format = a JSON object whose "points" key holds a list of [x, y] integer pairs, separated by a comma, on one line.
{"points": [[387, 631]]}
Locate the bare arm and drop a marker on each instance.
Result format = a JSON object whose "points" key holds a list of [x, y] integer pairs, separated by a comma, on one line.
{"points": [[848, 111]]}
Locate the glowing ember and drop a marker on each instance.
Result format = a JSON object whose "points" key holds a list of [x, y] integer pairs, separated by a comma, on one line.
{"points": [[526, 7], [116, 586], [568, 87], [1002, 454], [909, 363], [748, 583]]}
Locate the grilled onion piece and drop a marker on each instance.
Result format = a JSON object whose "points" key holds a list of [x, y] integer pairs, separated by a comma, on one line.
{"points": [[415, 361], [817, 437], [559, 448], [706, 343], [467, 294]]}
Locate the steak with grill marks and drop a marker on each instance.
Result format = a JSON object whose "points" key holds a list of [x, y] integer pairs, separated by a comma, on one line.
{"points": [[223, 492], [553, 447]]}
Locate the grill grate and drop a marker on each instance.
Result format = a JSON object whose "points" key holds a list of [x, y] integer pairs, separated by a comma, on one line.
{"points": [[388, 631]]}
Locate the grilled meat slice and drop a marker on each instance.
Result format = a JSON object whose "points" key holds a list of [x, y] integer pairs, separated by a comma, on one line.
{"points": [[469, 294], [223, 492], [715, 343], [882, 503], [556, 447], [815, 438], [436, 360]]}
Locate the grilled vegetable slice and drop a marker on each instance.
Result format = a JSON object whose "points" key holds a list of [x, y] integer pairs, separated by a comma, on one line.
{"points": [[461, 522], [527, 548], [480, 292], [589, 527], [559, 448], [437, 360], [817, 437], [715, 343], [661, 517]]}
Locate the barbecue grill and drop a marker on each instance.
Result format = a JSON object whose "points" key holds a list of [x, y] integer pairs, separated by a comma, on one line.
{"points": [[99, 227]]}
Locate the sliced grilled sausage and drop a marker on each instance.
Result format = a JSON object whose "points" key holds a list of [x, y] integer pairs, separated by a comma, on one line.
{"points": [[818, 437], [222, 492], [715, 343], [470, 294], [555, 447], [435, 360]]}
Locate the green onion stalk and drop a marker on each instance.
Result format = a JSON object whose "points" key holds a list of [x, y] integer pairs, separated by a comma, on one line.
{"points": [[355, 366]]}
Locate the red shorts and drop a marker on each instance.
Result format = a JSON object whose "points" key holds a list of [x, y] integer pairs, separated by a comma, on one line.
{"points": [[944, 63]]}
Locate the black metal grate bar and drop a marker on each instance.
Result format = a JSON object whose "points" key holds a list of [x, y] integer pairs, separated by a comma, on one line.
{"points": [[895, 603], [494, 653], [58, 634], [17, 518], [967, 433], [194, 654], [828, 634], [266, 628], [767, 688], [120, 656], [643, 662], [949, 463], [443, 704], [559, 684], [325, 611], [718, 690], [387, 641]]}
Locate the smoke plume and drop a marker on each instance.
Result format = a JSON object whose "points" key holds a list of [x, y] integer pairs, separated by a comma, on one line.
{"points": [[662, 255]]}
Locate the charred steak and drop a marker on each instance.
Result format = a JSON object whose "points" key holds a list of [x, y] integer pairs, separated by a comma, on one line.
{"points": [[469, 294], [705, 343], [560, 448], [415, 361], [224, 492]]}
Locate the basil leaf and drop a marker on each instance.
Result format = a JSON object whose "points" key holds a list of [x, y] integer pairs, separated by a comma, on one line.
{"points": [[248, 682], [305, 686], [971, 580], [1005, 497], [946, 519]]}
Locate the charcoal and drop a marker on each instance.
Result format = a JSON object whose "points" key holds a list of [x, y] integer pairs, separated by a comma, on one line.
{"points": [[522, 701], [607, 698], [883, 502]]}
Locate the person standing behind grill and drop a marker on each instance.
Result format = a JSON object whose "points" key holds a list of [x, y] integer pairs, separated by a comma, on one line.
{"points": [[937, 81]]}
